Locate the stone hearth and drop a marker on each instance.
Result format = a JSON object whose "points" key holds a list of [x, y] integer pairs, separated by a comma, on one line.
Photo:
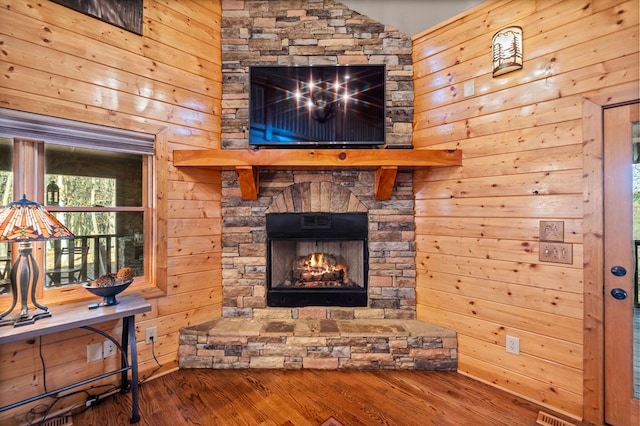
{"points": [[231, 343]]}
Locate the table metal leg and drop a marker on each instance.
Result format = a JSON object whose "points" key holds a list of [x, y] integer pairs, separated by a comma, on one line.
{"points": [[135, 417], [124, 342]]}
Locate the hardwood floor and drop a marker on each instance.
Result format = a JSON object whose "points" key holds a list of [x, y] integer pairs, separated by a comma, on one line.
{"points": [[310, 397]]}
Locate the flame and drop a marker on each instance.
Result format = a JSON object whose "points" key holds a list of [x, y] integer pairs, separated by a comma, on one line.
{"points": [[318, 264], [317, 260]]}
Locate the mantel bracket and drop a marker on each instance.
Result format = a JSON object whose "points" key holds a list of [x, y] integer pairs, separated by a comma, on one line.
{"points": [[385, 179], [248, 180]]}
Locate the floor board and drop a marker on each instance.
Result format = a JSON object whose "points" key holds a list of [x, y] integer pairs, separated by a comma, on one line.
{"points": [[310, 397]]}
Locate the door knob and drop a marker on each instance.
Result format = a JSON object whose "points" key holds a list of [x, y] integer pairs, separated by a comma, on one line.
{"points": [[618, 271], [619, 293]]}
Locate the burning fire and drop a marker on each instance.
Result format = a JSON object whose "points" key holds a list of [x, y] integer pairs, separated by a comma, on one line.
{"points": [[319, 269], [317, 262]]}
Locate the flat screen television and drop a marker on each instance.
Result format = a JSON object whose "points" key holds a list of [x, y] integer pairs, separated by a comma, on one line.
{"points": [[322, 105]]}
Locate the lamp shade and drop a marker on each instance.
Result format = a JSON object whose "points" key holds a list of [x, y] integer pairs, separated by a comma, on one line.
{"points": [[25, 220]]}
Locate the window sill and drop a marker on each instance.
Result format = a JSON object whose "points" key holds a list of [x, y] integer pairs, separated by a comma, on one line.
{"points": [[76, 293]]}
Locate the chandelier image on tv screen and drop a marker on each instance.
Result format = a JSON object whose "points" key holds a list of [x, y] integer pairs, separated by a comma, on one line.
{"points": [[317, 105]]}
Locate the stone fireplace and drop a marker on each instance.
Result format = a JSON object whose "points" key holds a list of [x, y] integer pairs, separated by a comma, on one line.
{"points": [[315, 32], [377, 242], [382, 332]]}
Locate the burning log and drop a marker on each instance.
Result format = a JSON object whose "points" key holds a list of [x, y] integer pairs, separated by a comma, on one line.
{"points": [[318, 270]]}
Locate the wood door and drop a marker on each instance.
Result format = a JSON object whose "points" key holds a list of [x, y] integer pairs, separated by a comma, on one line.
{"points": [[621, 408]]}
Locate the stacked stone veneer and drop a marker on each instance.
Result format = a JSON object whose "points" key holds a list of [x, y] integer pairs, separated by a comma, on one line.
{"points": [[229, 343], [391, 245], [314, 32], [309, 32], [383, 335]]}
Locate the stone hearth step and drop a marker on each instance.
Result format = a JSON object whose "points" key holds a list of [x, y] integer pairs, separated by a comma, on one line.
{"points": [[229, 343]]}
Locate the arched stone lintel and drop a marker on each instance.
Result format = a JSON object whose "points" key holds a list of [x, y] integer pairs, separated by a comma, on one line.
{"points": [[309, 197]]}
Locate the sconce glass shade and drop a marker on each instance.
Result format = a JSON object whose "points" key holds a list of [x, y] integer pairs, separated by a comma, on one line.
{"points": [[507, 50]]}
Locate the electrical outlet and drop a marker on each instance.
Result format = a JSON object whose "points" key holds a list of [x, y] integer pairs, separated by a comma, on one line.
{"points": [[512, 345], [552, 230], [556, 252], [150, 333], [94, 352], [108, 348]]}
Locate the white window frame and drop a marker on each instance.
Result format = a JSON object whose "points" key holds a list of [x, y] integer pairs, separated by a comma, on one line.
{"points": [[32, 132]]}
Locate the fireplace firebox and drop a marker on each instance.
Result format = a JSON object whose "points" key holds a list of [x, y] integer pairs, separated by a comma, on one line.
{"points": [[317, 259]]}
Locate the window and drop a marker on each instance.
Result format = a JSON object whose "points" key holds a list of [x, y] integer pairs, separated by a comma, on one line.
{"points": [[6, 196], [97, 181]]}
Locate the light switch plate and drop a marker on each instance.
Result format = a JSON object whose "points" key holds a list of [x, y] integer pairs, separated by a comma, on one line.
{"points": [[556, 252], [552, 230]]}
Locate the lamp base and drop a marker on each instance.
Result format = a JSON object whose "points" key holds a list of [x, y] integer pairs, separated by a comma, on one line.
{"points": [[32, 319], [20, 321]]}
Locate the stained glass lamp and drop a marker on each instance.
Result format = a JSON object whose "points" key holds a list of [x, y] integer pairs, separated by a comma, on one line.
{"points": [[23, 222]]}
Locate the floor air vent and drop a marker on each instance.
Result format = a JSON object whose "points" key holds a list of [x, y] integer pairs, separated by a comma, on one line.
{"points": [[545, 419], [59, 421]]}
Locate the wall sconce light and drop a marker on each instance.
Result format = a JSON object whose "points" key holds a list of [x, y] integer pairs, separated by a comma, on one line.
{"points": [[507, 50]]}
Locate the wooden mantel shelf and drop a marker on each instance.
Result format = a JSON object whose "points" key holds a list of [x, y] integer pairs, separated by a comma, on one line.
{"points": [[386, 162]]}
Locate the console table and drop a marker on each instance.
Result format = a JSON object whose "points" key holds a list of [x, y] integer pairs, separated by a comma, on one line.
{"points": [[78, 315]]}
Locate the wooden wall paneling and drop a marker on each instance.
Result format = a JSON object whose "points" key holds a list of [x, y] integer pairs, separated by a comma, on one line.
{"points": [[554, 374], [194, 227], [539, 137], [26, 54], [503, 248], [545, 276], [537, 43], [554, 397], [66, 64], [534, 344], [191, 281], [65, 39], [191, 209], [593, 380], [17, 358], [578, 80], [186, 246], [542, 206], [207, 15], [540, 183], [196, 299], [492, 227], [197, 191], [38, 104], [196, 174], [551, 325], [527, 161], [527, 296], [202, 35], [533, 114], [58, 87], [523, 148], [194, 263]]}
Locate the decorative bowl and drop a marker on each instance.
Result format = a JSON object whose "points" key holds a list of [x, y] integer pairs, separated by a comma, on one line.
{"points": [[108, 293]]}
